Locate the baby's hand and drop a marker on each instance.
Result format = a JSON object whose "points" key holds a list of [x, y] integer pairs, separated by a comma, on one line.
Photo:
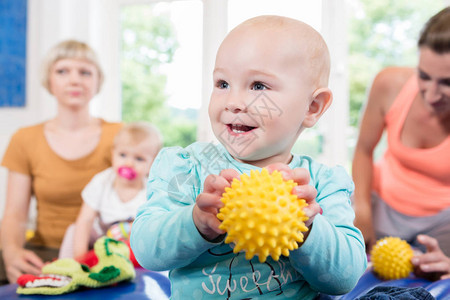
{"points": [[208, 204], [303, 190]]}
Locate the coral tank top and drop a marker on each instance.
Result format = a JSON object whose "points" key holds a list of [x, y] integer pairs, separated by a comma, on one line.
{"points": [[413, 181]]}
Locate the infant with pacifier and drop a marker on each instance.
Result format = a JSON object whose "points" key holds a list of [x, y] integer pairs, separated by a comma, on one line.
{"points": [[114, 195]]}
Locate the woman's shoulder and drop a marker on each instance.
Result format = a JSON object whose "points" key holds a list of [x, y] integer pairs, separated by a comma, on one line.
{"points": [[110, 129], [113, 126], [392, 79], [387, 84], [28, 132], [22, 145]]}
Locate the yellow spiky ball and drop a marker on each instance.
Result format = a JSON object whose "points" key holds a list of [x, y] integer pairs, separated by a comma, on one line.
{"points": [[262, 216], [391, 258]]}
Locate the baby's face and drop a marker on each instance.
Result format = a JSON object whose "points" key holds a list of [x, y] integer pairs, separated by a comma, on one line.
{"points": [[261, 94], [133, 160]]}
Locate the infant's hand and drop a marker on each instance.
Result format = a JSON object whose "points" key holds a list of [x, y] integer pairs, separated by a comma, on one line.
{"points": [[303, 190], [208, 204], [434, 263]]}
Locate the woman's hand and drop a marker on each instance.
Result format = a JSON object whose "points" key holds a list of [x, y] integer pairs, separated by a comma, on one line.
{"points": [[432, 264], [208, 204], [21, 261], [17, 260]]}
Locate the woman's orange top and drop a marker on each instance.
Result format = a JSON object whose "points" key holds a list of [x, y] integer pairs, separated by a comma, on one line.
{"points": [[413, 181], [56, 182]]}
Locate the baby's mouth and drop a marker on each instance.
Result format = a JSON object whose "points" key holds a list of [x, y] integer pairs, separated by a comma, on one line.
{"points": [[127, 173], [239, 128]]}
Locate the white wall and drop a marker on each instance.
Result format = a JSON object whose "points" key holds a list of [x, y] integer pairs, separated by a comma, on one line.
{"points": [[334, 122]]}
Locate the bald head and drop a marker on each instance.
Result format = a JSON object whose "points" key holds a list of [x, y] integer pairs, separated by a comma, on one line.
{"points": [[270, 81], [299, 39]]}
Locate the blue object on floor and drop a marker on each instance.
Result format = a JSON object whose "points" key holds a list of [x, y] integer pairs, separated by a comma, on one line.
{"points": [[439, 289], [146, 285], [396, 292]]}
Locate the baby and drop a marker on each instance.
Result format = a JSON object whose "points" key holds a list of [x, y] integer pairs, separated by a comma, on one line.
{"points": [[270, 83], [114, 194]]}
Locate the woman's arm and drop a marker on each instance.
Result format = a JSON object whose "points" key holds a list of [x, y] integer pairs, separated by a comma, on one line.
{"points": [[83, 228], [17, 260], [384, 90]]}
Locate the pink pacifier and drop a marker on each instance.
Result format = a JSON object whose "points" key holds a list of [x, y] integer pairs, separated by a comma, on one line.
{"points": [[127, 173]]}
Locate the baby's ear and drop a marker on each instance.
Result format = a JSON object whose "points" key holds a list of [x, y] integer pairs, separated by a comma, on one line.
{"points": [[321, 100]]}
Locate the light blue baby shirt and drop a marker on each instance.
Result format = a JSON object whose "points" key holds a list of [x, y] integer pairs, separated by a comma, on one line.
{"points": [[164, 236]]}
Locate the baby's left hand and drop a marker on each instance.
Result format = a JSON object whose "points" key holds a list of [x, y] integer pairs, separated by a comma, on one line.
{"points": [[303, 190]]}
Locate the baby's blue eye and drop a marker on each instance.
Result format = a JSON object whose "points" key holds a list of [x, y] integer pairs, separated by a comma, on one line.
{"points": [[140, 159], [258, 86], [222, 84]]}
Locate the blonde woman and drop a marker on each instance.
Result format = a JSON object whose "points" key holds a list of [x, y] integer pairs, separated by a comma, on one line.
{"points": [[54, 160]]}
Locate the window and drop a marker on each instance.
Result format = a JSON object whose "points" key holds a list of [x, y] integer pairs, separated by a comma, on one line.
{"points": [[161, 59], [309, 12]]}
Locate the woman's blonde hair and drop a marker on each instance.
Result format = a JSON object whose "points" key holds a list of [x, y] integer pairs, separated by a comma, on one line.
{"points": [[69, 49]]}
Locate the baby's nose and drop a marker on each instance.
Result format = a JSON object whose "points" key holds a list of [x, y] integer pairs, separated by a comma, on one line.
{"points": [[236, 102]]}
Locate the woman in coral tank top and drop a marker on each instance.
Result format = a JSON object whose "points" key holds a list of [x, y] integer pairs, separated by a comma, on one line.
{"points": [[407, 192]]}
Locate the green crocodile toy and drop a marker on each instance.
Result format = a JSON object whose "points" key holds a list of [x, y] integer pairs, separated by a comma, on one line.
{"points": [[66, 275]]}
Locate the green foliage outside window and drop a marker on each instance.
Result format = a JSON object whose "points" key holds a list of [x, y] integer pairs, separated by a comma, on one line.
{"points": [[382, 33], [148, 44]]}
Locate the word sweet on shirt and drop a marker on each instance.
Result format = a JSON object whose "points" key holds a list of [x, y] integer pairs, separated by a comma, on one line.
{"points": [[265, 278]]}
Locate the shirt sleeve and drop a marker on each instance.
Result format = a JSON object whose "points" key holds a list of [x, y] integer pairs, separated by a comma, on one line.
{"points": [[16, 157], [172, 188], [92, 192], [333, 258]]}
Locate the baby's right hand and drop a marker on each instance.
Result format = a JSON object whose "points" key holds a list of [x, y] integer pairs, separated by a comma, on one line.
{"points": [[208, 204]]}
